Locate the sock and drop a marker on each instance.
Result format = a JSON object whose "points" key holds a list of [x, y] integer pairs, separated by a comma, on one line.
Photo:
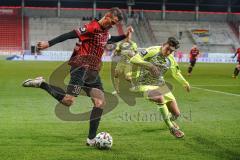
{"points": [[95, 118], [165, 114], [189, 69], [54, 91], [172, 117], [236, 71]]}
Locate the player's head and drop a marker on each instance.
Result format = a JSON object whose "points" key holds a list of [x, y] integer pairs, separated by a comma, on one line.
{"points": [[194, 46], [170, 46], [112, 17]]}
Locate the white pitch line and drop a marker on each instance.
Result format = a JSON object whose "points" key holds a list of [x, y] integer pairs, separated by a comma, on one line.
{"points": [[203, 85], [209, 90]]}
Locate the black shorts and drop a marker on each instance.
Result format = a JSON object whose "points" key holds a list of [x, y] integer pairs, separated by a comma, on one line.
{"points": [[193, 62], [82, 78]]}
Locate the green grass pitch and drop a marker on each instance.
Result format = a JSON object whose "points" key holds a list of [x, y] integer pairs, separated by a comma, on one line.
{"points": [[29, 128]]}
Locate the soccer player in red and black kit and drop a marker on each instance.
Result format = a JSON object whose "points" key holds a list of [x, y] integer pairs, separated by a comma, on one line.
{"points": [[194, 53], [85, 65], [237, 69]]}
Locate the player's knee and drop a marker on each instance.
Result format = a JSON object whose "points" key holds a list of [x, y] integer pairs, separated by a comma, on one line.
{"points": [[159, 99], [156, 96], [99, 103], [67, 103], [176, 114], [128, 78], [68, 100], [238, 67]]}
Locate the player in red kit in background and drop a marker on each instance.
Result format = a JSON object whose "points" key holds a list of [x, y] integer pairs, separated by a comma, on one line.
{"points": [[194, 54], [85, 65], [237, 68]]}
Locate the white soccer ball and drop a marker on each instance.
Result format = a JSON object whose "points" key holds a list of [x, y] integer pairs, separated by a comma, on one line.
{"points": [[104, 140]]}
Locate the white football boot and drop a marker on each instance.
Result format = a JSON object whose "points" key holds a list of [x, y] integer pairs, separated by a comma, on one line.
{"points": [[33, 82], [176, 132], [91, 142]]}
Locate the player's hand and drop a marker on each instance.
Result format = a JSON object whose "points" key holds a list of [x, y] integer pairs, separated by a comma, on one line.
{"points": [[154, 70], [42, 45], [187, 87], [129, 31]]}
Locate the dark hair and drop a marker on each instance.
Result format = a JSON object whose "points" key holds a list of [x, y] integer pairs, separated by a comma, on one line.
{"points": [[172, 41], [115, 11]]}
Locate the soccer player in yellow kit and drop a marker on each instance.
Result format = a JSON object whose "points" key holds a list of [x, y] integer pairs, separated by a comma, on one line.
{"points": [[155, 62], [125, 50]]}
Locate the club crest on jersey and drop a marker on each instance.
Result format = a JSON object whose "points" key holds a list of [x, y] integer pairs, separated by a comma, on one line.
{"points": [[83, 29], [143, 52]]}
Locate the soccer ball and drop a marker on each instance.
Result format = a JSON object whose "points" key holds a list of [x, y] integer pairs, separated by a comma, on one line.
{"points": [[104, 140]]}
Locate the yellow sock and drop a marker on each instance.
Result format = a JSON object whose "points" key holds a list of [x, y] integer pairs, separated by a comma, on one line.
{"points": [[165, 114]]}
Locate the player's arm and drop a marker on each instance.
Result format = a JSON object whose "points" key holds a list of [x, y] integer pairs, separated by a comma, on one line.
{"points": [[63, 37], [199, 54], [135, 47], [139, 60], [190, 53], [114, 39], [45, 44], [176, 73], [81, 33], [234, 55]]}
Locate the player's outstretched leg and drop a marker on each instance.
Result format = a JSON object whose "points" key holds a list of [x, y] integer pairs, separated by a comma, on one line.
{"points": [[176, 132], [95, 118], [158, 98], [39, 82], [174, 123], [236, 72], [99, 101], [33, 82], [190, 68], [116, 82], [174, 112], [173, 127]]}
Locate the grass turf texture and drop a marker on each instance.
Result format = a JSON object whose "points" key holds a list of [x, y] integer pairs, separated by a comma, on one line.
{"points": [[29, 128]]}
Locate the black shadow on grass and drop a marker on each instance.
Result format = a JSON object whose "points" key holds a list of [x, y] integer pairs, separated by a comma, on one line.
{"points": [[208, 147], [153, 130], [62, 112]]}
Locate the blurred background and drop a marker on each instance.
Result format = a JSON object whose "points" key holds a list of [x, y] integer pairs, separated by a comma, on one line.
{"points": [[212, 25], [30, 128]]}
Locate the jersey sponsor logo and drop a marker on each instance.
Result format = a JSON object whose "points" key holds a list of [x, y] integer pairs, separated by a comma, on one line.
{"points": [[143, 52]]}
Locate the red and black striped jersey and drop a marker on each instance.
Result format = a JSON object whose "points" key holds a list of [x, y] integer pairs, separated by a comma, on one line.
{"points": [[92, 40], [194, 53], [238, 54]]}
